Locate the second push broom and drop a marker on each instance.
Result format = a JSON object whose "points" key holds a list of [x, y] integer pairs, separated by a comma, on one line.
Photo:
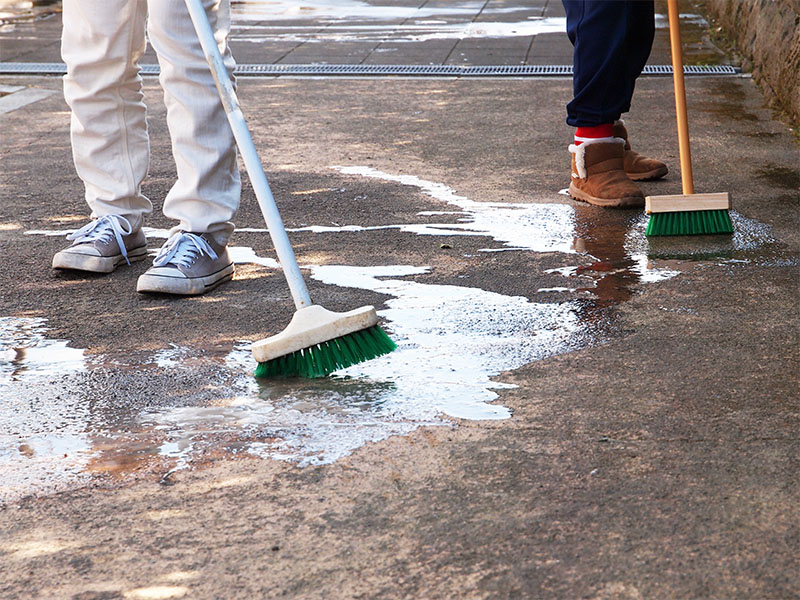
{"points": [[317, 341], [687, 213]]}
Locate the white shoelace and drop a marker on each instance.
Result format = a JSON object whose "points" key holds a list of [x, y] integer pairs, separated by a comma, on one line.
{"points": [[183, 249], [101, 230]]}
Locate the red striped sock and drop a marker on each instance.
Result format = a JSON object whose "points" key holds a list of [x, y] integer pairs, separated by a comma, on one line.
{"points": [[584, 134]]}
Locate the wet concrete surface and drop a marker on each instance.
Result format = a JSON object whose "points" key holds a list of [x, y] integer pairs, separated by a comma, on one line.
{"points": [[574, 410], [493, 32]]}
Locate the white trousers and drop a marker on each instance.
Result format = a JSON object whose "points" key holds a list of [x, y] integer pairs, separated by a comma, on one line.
{"points": [[102, 43]]}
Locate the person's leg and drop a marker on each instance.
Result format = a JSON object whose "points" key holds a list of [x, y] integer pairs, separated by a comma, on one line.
{"points": [[611, 45], [638, 44], [599, 32], [102, 42], [639, 41], [206, 194]]}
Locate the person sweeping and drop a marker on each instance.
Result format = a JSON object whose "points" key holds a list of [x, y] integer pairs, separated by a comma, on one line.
{"points": [[102, 43], [612, 42]]}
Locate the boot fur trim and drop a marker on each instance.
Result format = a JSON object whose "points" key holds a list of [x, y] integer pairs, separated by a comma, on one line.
{"points": [[580, 153]]}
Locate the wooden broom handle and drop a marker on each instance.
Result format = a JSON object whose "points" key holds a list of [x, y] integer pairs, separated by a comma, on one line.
{"points": [[680, 97]]}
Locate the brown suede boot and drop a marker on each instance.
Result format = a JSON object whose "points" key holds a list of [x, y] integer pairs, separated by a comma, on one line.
{"points": [[598, 176], [638, 167]]}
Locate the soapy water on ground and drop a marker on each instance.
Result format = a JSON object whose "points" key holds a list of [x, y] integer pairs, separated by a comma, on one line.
{"points": [[261, 21], [264, 21], [293, 10], [453, 342], [419, 31]]}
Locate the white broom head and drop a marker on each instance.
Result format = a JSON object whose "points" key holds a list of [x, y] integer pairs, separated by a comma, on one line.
{"points": [[311, 326]]}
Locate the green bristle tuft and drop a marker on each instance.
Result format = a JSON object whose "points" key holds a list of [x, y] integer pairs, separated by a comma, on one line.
{"points": [[327, 357], [698, 222]]}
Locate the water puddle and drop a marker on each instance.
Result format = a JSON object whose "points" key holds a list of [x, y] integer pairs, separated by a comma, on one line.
{"points": [[537, 227], [418, 31], [352, 10], [43, 442], [261, 21], [66, 417], [454, 340]]}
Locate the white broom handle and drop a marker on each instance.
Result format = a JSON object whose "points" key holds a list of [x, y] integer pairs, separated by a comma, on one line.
{"points": [[249, 155]]}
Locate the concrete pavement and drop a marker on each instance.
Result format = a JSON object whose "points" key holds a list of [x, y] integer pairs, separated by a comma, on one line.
{"points": [[574, 411]]}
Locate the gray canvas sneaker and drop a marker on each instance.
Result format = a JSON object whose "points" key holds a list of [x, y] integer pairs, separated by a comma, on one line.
{"points": [[187, 264], [101, 245]]}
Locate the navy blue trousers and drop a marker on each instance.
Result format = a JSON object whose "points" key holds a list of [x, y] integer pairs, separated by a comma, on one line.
{"points": [[612, 40]]}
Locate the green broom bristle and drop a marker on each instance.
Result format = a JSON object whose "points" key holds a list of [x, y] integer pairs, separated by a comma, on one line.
{"points": [[697, 222], [327, 357]]}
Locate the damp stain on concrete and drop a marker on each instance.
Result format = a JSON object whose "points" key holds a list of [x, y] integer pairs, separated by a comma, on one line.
{"points": [[729, 102], [698, 46], [73, 417], [778, 176]]}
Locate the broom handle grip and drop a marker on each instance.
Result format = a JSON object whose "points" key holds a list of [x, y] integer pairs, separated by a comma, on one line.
{"points": [[252, 163], [687, 180]]}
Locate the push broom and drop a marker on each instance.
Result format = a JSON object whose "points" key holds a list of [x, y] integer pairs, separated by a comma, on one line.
{"points": [[317, 341], [687, 213]]}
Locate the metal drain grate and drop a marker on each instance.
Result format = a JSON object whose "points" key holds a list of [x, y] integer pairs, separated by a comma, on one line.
{"points": [[692, 70], [317, 70], [408, 70]]}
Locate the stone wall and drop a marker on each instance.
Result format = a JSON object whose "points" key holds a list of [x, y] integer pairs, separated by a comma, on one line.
{"points": [[767, 35]]}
